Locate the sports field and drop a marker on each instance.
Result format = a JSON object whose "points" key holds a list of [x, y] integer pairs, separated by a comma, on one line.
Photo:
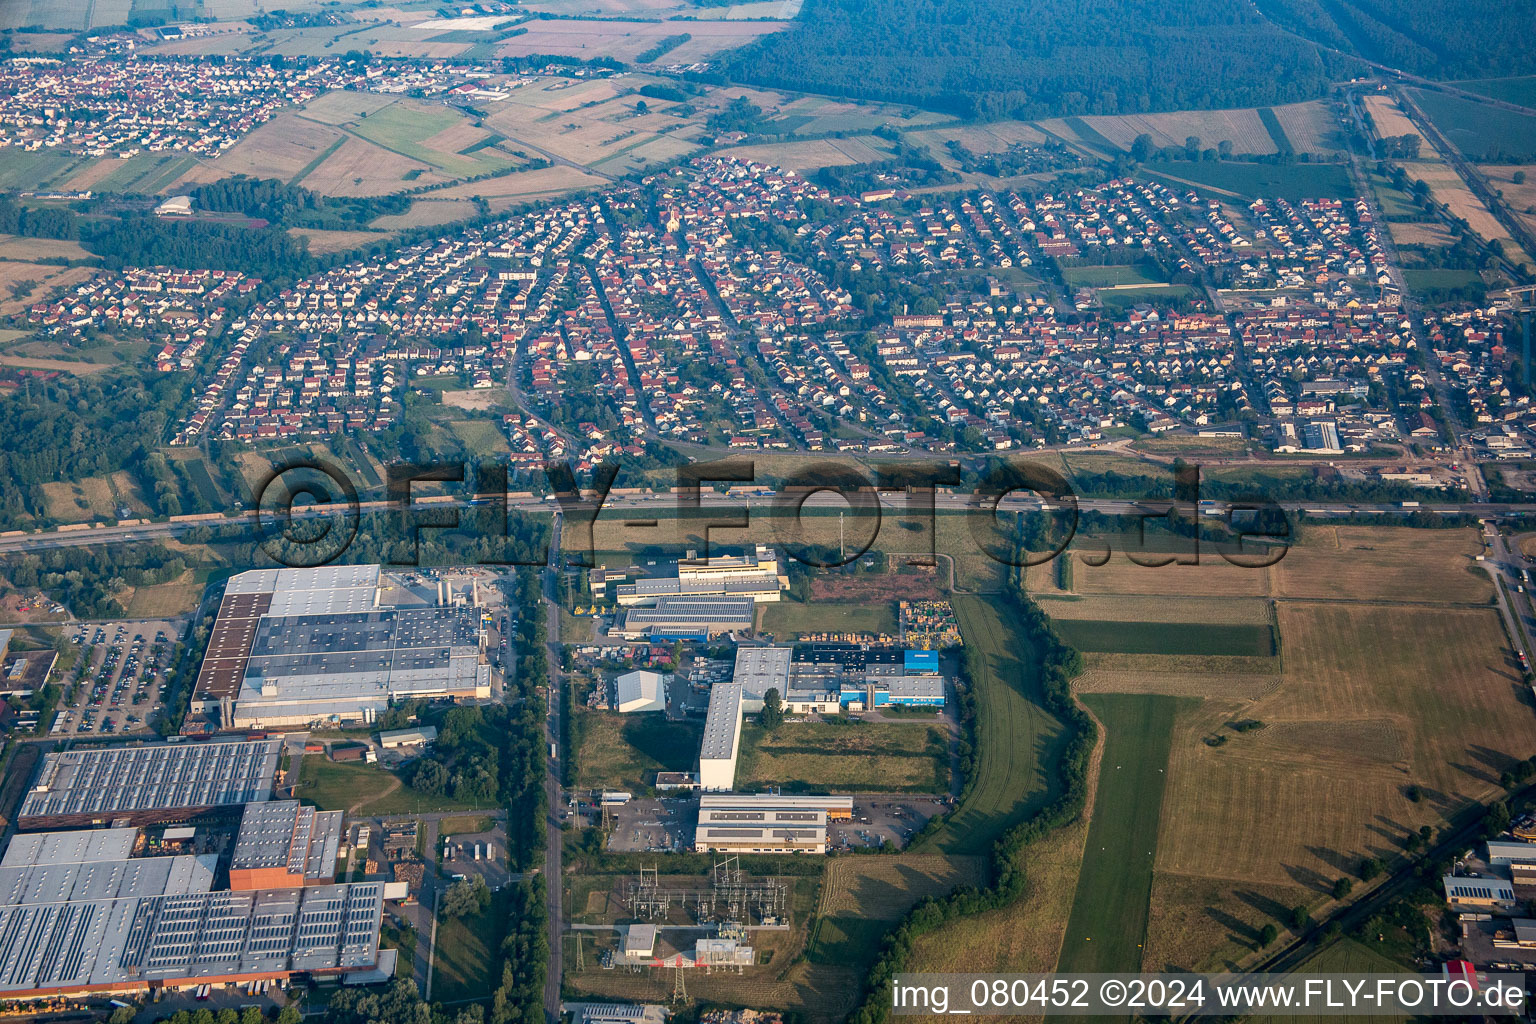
{"points": [[1108, 925]]}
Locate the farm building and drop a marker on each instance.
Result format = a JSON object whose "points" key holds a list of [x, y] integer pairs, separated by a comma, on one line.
{"points": [[96, 919], [296, 646], [145, 785], [641, 691], [282, 844]]}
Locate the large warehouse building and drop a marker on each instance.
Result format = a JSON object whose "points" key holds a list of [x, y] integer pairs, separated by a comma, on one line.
{"points": [[299, 646], [152, 784], [283, 844], [687, 618], [754, 575], [80, 914]]}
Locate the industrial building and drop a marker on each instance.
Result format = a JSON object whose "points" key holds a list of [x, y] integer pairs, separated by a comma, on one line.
{"points": [[722, 737], [754, 575], [283, 844], [813, 678], [391, 739], [156, 783], [80, 914], [759, 823], [298, 646], [687, 618], [640, 691]]}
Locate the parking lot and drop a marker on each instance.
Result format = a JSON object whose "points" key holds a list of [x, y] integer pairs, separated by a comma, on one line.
{"points": [[120, 690]]}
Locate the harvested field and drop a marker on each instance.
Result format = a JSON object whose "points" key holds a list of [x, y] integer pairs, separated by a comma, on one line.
{"points": [[1141, 609], [1310, 127], [981, 138], [47, 277], [1208, 923], [1447, 187], [1520, 198], [1374, 698], [426, 212], [282, 148], [1168, 638], [626, 40], [1212, 577], [1389, 119], [360, 168], [813, 154], [79, 369], [1373, 563], [1185, 675], [1242, 128], [1432, 235]]}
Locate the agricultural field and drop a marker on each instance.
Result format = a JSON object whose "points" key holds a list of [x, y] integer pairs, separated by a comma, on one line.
{"points": [[626, 40], [1242, 128], [1374, 698], [1520, 91], [1480, 130], [1172, 638], [814, 154], [1519, 197], [1392, 672], [436, 135], [838, 757], [626, 751], [1389, 119], [1108, 925], [43, 278], [287, 148], [1447, 187], [863, 897], [1250, 181]]}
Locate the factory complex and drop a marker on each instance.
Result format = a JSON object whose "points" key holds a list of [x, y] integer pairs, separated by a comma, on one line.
{"points": [[299, 646], [821, 678], [132, 907], [701, 598]]}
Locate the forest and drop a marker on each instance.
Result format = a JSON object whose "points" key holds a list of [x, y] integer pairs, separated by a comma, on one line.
{"points": [[1444, 39], [1037, 58]]}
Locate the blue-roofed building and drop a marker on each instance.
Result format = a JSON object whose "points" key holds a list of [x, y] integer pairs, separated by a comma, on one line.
{"points": [[919, 662]]}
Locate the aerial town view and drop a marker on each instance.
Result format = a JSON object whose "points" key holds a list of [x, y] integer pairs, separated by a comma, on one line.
{"points": [[766, 511]]}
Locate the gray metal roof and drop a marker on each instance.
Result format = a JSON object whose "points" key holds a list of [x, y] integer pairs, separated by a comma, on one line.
{"points": [[161, 776]]}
